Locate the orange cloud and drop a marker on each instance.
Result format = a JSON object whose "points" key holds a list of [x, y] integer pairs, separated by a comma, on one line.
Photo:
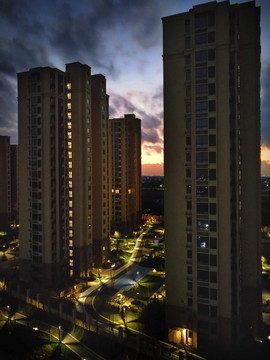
{"points": [[265, 154], [152, 170], [265, 160]]}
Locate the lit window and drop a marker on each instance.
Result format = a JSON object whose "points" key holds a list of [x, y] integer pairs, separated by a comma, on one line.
{"points": [[70, 145], [69, 86], [70, 223], [69, 125], [70, 174], [70, 213], [69, 105], [129, 191], [70, 243], [70, 252], [112, 190], [70, 155], [69, 115], [117, 191], [69, 135], [70, 193], [70, 184], [69, 95], [70, 233], [70, 262], [70, 203]]}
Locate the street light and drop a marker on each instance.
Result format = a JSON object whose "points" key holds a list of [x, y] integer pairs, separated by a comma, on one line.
{"points": [[59, 333]]}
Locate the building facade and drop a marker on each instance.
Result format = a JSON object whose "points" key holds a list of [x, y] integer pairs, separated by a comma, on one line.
{"points": [[55, 173], [125, 169], [100, 173], [211, 60], [5, 183]]}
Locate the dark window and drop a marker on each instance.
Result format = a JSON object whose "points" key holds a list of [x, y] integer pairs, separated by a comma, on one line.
{"points": [[202, 175], [188, 156], [201, 55], [187, 43], [212, 157], [188, 75], [189, 237], [203, 292], [213, 243], [201, 157], [211, 37], [212, 191], [189, 254], [201, 89], [202, 140], [213, 225], [211, 54], [189, 221], [188, 124], [213, 260], [212, 174], [212, 140], [213, 277], [213, 208], [211, 71], [188, 140], [188, 173], [203, 259], [201, 106], [213, 294], [203, 309], [187, 59], [202, 208], [202, 124], [188, 189], [189, 205], [187, 25], [188, 108], [212, 123], [189, 286], [201, 20], [189, 270], [202, 191], [213, 314], [203, 275], [201, 38], [212, 105], [211, 89], [188, 91], [201, 72]]}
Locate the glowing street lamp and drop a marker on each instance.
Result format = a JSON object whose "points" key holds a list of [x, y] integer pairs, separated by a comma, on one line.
{"points": [[59, 333]]}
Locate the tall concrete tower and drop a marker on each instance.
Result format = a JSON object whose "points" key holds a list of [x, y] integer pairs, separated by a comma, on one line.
{"points": [[212, 173]]}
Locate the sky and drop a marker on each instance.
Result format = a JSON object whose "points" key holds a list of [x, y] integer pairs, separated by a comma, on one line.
{"points": [[121, 39]]}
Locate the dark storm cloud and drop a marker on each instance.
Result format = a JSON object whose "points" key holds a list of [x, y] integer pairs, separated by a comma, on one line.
{"points": [[151, 125], [265, 110]]}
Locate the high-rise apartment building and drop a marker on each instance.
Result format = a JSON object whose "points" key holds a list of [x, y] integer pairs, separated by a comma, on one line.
{"points": [[55, 173], [125, 169], [212, 173], [100, 173], [5, 183]]}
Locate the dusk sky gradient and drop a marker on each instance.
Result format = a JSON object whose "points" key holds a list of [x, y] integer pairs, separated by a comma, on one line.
{"points": [[121, 39]]}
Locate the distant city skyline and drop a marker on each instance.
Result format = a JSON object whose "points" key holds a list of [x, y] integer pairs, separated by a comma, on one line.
{"points": [[120, 39]]}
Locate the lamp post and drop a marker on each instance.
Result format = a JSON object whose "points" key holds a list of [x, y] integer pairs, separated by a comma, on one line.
{"points": [[59, 333], [8, 311]]}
